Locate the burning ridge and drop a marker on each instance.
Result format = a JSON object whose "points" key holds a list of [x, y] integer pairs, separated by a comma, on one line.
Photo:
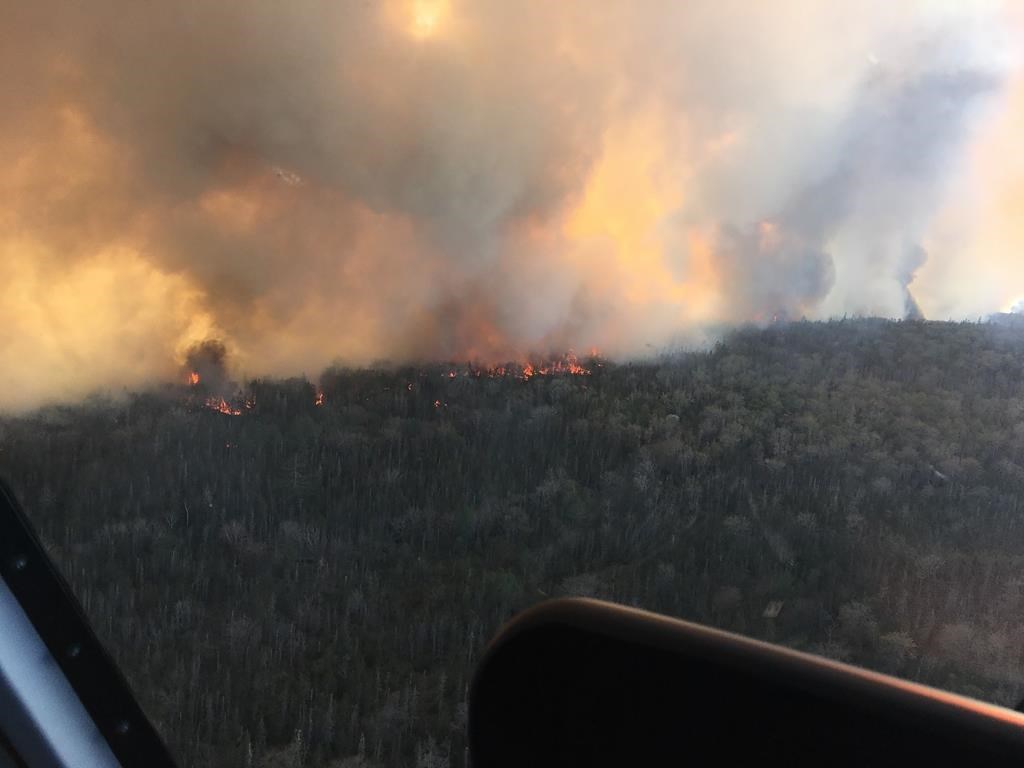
{"points": [[208, 387]]}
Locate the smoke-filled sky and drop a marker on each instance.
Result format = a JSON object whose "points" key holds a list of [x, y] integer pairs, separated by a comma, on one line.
{"points": [[315, 180]]}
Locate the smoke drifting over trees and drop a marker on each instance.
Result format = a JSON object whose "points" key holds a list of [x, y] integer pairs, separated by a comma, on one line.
{"points": [[434, 178], [206, 365]]}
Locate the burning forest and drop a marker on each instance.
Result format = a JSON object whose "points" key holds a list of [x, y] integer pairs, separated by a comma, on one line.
{"points": [[207, 384], [349, 560], [568, 364]]}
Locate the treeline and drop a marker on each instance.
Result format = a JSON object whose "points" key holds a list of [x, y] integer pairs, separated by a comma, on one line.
{"points": [[311, 585]]}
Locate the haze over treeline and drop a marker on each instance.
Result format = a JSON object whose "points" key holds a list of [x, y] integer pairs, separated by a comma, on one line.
{"points": [[315, 180]]}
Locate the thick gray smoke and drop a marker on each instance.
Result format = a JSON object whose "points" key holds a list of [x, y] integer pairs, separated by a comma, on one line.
{"points": [[206, 367], [369, 179], [894, 153]]}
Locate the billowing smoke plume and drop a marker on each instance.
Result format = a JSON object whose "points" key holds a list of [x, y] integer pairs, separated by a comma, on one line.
{"points": [[365, 179], [206, 367]]}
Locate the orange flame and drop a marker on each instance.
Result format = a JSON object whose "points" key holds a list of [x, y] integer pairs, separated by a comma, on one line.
{"points": [[221, 405], [193, 378], [319, 398], [568, 364]]}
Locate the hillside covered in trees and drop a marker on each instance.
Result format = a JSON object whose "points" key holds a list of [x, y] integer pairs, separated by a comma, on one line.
{"points": [[311, 585]]}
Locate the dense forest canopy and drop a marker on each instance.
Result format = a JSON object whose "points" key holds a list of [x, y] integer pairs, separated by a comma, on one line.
{"points": [[305, 584]]}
